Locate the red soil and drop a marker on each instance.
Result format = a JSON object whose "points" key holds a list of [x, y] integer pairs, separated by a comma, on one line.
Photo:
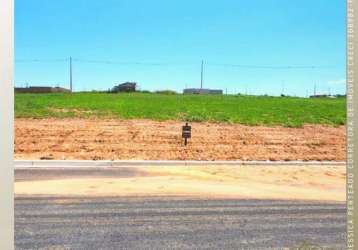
{"points": [[91, 139]]}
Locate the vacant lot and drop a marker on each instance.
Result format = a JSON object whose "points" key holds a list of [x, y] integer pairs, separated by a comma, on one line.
{"points": [[95, 126], [98, 139], [248, 110]]}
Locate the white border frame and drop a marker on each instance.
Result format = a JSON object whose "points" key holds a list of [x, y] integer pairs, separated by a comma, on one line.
{"points": [[6, 125], [352, 124]]}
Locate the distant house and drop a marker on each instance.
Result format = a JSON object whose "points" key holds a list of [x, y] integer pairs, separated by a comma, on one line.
{"points": [[319, 96], [41, 89], [203, 91], [340, 96], [125, 87]]}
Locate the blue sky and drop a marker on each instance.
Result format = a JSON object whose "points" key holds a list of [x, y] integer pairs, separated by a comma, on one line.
{"points": [[160, 44]]}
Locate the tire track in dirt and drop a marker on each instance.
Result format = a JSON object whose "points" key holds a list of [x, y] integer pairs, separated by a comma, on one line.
{"points": [[92, 139]]}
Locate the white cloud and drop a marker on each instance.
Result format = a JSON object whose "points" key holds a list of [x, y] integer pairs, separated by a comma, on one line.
{"points": [[340, 81]]}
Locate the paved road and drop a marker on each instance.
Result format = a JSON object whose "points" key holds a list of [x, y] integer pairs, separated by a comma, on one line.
{"points": [[43, 222], [174, 223], [35, 174]]}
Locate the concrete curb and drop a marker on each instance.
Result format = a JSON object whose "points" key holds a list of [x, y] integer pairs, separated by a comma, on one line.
{"points": [[134, 163]]}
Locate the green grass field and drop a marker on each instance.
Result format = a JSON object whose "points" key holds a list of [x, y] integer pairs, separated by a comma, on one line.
{"points": [[250, 110]]}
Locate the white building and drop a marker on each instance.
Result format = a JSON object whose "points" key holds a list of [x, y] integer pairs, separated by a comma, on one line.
{"points": [[203, 91]]}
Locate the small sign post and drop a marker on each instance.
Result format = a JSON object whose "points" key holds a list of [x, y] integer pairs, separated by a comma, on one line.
{"points": [[186, 133]]}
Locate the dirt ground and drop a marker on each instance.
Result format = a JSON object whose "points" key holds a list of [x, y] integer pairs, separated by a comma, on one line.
{"points": [[325, 183], [91, 139]]}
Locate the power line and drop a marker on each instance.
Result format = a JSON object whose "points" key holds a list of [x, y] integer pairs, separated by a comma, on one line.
{"points": [[268, 67], [126, 63], [174, 64], [41, 60]]}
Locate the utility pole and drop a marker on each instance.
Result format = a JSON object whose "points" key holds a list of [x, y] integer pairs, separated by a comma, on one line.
{"points": [[71, 74], [202, 74], [315, 89], [283, 88]]}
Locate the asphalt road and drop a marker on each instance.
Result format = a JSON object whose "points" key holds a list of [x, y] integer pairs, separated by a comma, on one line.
{"points": [[43, 222], [35, 174], [175, 223]]}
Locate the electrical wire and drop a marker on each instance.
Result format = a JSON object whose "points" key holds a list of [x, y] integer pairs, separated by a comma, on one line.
{"points": [[109, 62]]}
